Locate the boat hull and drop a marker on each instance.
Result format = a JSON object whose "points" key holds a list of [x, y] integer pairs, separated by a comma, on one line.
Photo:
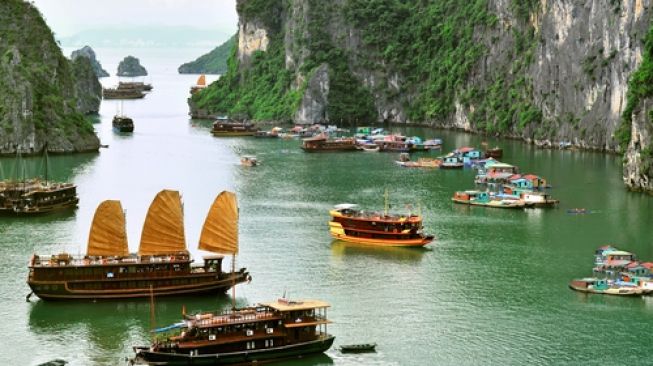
{"points": [[245, 357], [64, 290], [418, 242], [610, 291], [483, 204], [233, 133]]}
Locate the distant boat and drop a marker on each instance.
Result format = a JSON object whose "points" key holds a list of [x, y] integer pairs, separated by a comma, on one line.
{"points": [[249, 161], [201, 84], [483, 198], [604, 287], [322, 143], [225, 127], [495, 153], [358, 348], [369, 147], [122, 123], [109, 93], [134, 85], [420, 163], [162, 265]]}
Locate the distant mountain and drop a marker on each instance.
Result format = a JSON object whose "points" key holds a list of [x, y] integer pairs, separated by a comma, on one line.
{"points": [[214, 62], [131, 66], [146, 36], [88, 52]]}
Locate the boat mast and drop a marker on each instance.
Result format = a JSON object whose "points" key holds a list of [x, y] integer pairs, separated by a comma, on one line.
{"points": [[45, 151], [233, 280], [152, 315]]}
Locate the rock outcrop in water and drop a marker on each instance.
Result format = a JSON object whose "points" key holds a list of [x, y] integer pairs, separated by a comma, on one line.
{"points": [[540, 70], [131, 66], [214, 62], [43, 95], [88, 53]]}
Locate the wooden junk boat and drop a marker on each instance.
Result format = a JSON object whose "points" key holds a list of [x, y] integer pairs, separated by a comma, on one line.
{"points": [[322, 143], [122, 124], [162, 265], [36, 196], [134, 85], [277, 330], [200, 85], [226, 127], [109, 93], [350, 224]]}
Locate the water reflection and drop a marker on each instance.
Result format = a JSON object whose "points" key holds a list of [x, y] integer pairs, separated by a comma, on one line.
{"points": [[341, 248]]}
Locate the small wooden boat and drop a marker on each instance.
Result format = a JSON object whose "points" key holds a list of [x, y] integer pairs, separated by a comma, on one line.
{"points": [[420, 163], [122, 124], [483, 198], [225, 127], [604, 287], [249, 161], [452, 162], [495, 153], [369, 147], [358, 348]]}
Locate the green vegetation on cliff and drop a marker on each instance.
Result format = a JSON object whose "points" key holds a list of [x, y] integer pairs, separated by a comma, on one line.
{"points": [[214, 62], [260, 92], [39, 86], [436, 45], [640, 86]]}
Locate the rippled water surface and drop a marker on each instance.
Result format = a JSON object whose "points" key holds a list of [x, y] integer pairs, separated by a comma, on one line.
{"points": [[492, 289]]}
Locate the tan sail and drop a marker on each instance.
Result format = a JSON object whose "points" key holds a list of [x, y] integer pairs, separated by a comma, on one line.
{"points": [[163, 231], [220, 230], [108, 236], [201, 81]]}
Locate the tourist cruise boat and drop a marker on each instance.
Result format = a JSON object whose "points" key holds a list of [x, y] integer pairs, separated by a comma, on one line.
{"points": [[322, 143], [223, 126], [350, 224], [277, 330], [162, 265]]}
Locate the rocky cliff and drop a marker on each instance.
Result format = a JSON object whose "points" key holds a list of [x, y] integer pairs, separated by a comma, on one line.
{"points": [[130, 66], [88, 53], [546, 71], [88, 90], [42, 94], [214, 62]]}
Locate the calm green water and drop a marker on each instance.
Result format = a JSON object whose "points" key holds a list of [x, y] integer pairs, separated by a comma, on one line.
{"points": [[491, 290]]}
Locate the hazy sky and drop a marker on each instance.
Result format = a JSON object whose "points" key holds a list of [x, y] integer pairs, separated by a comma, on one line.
{"points": [[68, 17]]}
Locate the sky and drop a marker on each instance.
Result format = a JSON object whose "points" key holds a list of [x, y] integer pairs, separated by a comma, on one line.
{"points": [[69, 18]]}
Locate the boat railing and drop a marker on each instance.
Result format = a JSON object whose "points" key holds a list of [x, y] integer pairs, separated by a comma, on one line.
{"points": [[65, 259], [228, 317]]}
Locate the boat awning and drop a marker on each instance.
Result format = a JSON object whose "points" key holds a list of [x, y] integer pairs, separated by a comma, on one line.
{"points": [[345, 206], [295, 305], [170, 327], [307, 324]]}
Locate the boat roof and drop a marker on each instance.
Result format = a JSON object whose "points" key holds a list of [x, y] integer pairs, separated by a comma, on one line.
{"points": [[465, 149], [618, 252], [294, 305], [345, 206], [212, 256]]}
